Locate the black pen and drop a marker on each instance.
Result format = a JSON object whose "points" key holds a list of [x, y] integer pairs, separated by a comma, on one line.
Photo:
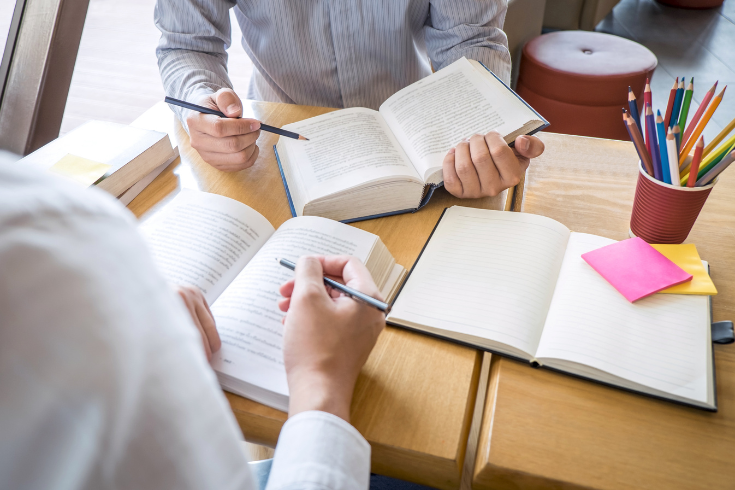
{"points": [[352, 293], [206, 110]]}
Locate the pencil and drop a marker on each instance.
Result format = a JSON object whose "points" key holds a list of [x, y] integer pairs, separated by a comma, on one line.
{"points": [[702, 107], [691, 181], [651, 133], [677, 134], [670, 105], [352, 293], [677, 104], [673, 161], [637, 139], [206, 110], [713, 159], [633, 106], [664, 154], [719, 138], [647, 100], [702, 123], [685, 104], [717, 170]]}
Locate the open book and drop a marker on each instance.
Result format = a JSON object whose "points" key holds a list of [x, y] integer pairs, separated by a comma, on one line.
{"points": [[228, 250], [515, 284], [360, 163]]}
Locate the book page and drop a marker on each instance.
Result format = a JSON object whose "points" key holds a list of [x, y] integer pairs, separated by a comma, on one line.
{"points": [[247, 314], [434, 114], [486, 274], [659, 341], [346, 148], [204, 240]]}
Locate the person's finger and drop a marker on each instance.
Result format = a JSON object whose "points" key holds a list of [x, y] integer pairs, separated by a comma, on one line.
{"points": [[309, 280], [529, 146], [466, 170], [504, 159], [286, 289], [232, 162], [206, 320], [228, 102], [484, 166], [219, 127], [189, 303], [283, 304], [451, 181], [354, 274], [228, 144]]}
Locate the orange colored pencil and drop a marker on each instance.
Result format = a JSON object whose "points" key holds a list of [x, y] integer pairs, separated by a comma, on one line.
{"points": [[700, 127], [670, 105], [694, 169], [702, 107]]}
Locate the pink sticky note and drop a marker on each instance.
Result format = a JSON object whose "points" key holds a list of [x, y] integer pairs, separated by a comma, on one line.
{"points": [[635, 268]]}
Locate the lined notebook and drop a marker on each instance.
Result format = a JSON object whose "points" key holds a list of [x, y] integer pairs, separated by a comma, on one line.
{"points": [[515, 284]]}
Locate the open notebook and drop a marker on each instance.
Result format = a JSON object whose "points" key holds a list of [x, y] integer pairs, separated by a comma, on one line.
{"points": [[361, 164], [515, 284], [228, 250]]}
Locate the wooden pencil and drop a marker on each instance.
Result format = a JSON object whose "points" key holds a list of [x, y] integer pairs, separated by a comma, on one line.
{"points": [[633, 106], [637, 139], [673, 161], [685, 104], [702, 107], [676, 131], [677, 104], [695, 163], [647, 100], [707, 178], [720, 136], [700, 126], [651, 133], [663, 151], [670, 104]]}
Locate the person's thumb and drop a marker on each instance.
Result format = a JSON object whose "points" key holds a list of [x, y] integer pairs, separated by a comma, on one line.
{"points": [[309, 279], [529, 146], [228, 102]]}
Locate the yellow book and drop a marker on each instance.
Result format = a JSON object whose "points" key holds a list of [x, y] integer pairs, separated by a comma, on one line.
{"points": [[686, 257]]}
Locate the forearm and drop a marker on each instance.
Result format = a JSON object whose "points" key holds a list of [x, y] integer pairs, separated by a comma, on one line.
{"points": [[472, 29], [320, 451]]}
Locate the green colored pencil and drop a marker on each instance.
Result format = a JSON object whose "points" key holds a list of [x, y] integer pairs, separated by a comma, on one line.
{"points": [[717, 159], [685, 104]]}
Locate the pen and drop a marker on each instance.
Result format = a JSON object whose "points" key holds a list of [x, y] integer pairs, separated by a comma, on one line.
{"points": [[206, 110], [352, 293]]}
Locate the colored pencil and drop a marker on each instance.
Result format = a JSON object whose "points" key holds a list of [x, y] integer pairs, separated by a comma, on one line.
{"points": [[700, 126], [685, 104], [670, 104], [713, 159], [702, 107], [677, 104], [651, 133], [691, 181], [677, 134], [728, 129], [206, 110], [664, 154], [647, 100], [673, 161], [717, 170], [637, 139], [633, 106]]}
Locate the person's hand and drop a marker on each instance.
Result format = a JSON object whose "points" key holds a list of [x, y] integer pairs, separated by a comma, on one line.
{"points": [[327, 336], [485, 165], [226, 144], [202, 317]]}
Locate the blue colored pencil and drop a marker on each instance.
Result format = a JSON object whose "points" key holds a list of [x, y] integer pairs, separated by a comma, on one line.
{"points": [[651, 133], [677, 104], [633, 106], [663, 152]]}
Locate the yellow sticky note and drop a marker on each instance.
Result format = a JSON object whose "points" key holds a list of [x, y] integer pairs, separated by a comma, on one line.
{"points": [[686, 257], [81, 170]]}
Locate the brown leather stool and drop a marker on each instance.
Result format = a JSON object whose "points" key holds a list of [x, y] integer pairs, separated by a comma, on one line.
{"points": [[579, 80], [692, 4]]}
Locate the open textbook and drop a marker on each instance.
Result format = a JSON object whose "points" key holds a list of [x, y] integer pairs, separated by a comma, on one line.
{"points": [[360, 163], [228, 250], [515, 284]]}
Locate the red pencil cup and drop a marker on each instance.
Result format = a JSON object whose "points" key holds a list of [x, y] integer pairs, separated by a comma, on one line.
{"points": [[664, 213]]}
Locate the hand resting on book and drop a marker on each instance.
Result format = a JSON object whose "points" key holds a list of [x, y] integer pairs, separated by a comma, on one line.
{"points": [[327, 337], [202, 318], [226, 144], [484, 166]]}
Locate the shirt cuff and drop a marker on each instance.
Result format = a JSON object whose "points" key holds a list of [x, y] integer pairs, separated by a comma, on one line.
{"points": [[320, 450]]}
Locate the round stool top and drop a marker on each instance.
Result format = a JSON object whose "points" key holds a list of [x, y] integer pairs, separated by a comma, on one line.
{"points": [[583, 67]]}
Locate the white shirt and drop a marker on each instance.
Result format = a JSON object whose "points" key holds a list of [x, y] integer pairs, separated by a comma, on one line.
{"points": [[103, 379], [330, 53]]}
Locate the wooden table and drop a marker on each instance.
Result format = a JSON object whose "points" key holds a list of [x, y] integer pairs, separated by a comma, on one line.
{"points": [[415, 397], [547, 430]]}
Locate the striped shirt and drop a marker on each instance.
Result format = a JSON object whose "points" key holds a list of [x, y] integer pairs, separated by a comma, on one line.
{"points": [[330, 53]]}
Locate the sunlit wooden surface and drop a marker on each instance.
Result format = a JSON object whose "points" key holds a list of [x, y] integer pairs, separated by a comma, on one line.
{"points": [[547, 430], [414, 400]]}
